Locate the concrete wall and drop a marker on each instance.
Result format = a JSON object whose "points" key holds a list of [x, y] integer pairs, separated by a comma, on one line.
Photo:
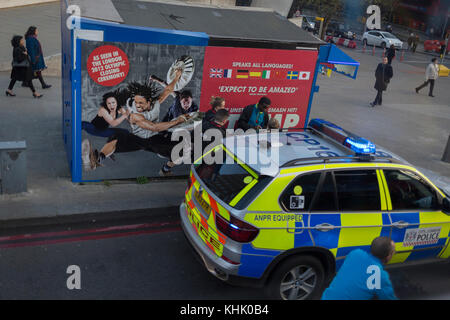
{"points": [[214, 2], [280, 6], [19, 3]]}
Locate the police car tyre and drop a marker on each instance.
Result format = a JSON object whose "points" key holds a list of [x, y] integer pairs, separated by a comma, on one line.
{"points": [[298, 278], [383, 45]]}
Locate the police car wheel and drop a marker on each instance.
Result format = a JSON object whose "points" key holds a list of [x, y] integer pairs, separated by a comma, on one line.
{"points": [[298, 278]]}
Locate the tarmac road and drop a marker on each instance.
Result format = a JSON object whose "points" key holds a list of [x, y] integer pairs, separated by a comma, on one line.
{"points": [[142, 257]]}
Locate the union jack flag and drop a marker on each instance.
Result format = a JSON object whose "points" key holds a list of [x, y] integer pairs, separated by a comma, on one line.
{"points": [[215, 73]]}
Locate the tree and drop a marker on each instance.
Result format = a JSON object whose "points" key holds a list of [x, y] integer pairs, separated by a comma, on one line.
{"points": [[327, 9]]}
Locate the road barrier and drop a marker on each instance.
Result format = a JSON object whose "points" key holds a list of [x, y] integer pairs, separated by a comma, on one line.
{"points": [[342, 42]]}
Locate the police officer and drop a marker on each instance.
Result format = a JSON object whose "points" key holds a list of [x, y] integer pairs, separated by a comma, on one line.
{"points": [[362, 276]]}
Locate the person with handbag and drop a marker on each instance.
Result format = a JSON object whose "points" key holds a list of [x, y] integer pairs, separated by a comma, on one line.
{"points": [[36, 55], [383, 75], [21, 67]]}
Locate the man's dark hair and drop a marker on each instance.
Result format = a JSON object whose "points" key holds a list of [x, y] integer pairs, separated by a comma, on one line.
{"points": [[185, 94], [381, 247], [433, 60], [264, 101], [150, 93], [221, 115]]}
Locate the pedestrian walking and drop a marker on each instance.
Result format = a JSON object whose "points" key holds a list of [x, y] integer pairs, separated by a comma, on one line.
{"points": [[362, 275], [410, 41], [36, 55], [383, 75], [21, 67], [431, 74], [415, 42], [390, 53]]}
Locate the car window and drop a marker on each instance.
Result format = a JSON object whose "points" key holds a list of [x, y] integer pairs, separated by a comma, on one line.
{"points": [[409, 191], [357, 190], [389, 35], [326, 197], [299, 193], [372, 33]]}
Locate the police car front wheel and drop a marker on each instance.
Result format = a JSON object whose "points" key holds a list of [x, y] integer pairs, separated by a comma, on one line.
{"points": [[298, 278]]}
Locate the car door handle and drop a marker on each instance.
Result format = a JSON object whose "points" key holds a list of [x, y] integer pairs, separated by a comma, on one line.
{"points": [[400, 224], [324, 227]]}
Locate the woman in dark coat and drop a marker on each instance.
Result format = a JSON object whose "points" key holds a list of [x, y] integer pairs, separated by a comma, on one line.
{"points": [[21, 67], [37, 57], [383, 75]]}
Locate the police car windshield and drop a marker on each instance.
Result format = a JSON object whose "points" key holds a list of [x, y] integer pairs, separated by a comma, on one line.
{"points": [[231, 180]]}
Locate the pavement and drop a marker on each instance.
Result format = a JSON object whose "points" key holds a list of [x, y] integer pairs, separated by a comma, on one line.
{"points": [[50, 190], [412, 125]]}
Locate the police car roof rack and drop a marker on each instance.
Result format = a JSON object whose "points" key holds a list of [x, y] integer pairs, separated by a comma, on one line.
{"points": [[358, 158]]}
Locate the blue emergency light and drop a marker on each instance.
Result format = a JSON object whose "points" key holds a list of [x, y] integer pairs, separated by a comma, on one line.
{"points": [[357, 144]]}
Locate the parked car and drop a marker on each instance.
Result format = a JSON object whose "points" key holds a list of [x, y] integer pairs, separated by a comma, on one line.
{"points": [[381, 39], [341, 30], [308, 23]]}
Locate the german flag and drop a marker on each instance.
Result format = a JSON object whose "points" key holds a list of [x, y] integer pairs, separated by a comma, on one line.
{"points": [[242, 74]]}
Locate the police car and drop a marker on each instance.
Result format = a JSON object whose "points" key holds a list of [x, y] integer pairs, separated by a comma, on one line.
{"points": [[289, 223]]}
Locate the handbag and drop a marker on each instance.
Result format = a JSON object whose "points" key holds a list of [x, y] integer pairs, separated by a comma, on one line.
{"points": [[24, 63]]}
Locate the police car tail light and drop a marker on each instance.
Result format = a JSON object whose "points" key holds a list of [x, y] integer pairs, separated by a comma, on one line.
{"points": [[189, 183], [236, 229], [357, 144]]}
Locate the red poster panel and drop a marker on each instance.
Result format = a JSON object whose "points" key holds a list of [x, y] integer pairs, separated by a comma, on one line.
{"points": [[243, 75]]}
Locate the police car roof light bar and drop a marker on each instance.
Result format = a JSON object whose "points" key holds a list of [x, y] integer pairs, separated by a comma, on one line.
{"points": [[355, 143], [361, 157]]}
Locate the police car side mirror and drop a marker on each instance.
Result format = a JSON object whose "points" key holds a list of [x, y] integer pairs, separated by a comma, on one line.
{"points": [[446, 206]]}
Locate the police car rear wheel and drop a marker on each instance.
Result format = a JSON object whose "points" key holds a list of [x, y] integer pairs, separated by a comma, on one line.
{"points": [[298, 278]]}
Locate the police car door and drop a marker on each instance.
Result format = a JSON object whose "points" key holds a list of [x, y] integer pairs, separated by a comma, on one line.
{"points": [[296, 201], [347, 213], [419, 228]]}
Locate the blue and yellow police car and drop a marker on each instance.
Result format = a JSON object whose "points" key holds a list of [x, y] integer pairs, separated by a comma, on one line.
{"points": [[287, 221]]}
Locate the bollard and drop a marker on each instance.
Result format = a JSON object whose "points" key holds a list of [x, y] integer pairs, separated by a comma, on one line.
{"points": [[13, 167], [373, 50], [403, 53], [446, 155], [384, 52]]}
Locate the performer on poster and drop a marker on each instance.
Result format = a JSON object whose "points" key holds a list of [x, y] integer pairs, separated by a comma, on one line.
{"points": [[145, 125], [111, 113], [183, 104]]}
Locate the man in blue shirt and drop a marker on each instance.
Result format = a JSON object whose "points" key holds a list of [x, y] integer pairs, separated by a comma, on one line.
{"points": [[255, 116], [362, 276]]}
